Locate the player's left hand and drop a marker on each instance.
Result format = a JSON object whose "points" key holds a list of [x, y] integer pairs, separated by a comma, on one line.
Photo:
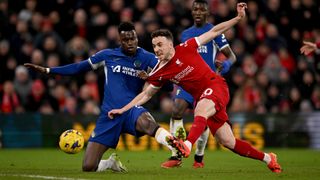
{"points": [[223, 67], [114, 112], [143, 75]]}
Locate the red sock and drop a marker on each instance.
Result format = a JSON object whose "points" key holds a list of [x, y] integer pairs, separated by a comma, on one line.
{"points": [[245, 149], [197, 128]]}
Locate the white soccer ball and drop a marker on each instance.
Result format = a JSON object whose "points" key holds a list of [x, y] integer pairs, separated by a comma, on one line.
{"points": [[71, 141]]}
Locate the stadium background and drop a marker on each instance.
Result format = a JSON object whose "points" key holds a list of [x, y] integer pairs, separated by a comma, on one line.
{"points": [[275, 91]]}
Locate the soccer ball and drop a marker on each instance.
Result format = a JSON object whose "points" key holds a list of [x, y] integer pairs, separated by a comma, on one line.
{"points": [[71, 141]]}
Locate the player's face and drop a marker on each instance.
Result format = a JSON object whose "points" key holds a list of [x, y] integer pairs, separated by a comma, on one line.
{"points": [[162, 48], [129, 42], [200, 13]]}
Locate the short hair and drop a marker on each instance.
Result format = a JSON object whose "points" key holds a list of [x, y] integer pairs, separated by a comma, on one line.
{"points": [[201, 1], [162, 32], [126, 26]]}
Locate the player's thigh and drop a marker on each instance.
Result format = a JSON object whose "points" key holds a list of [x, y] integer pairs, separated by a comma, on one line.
{"points": [[205, 107], [146, 124], [225, 136], [139, 122], [93, 154]]}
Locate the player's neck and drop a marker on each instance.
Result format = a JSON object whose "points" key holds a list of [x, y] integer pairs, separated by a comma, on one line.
{"points": [[129, 54], [200, 25]]}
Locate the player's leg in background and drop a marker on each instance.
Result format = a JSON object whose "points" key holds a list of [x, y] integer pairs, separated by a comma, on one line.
{"points": [[226, 137], [147, 125], [200, 147]]}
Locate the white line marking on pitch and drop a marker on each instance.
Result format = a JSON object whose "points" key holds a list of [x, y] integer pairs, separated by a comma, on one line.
{"points": [[40, 177]]}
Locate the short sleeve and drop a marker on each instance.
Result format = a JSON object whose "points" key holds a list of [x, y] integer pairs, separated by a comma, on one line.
{"points": [[191, 43]]}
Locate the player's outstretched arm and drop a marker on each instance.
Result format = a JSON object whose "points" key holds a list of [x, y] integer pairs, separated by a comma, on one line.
{"points": [[222, 27], [63, 70], [140, 99]]}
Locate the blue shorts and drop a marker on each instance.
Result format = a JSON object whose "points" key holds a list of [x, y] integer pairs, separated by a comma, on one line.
{"points": [[108, 131], [182, 94]]}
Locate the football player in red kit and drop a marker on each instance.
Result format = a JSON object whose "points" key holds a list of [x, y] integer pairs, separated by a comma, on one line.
{"points": [[185, 67]]}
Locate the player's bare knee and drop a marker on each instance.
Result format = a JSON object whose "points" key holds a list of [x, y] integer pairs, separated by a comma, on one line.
{"points": [[152, 128], [205, 108], [88, 167]]}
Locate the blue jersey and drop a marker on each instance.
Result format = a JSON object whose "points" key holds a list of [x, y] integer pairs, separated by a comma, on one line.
{"points": [[122, 83], [208, 51]]}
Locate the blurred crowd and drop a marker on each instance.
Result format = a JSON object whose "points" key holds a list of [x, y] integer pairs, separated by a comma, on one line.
{"points": [[270, 76]]}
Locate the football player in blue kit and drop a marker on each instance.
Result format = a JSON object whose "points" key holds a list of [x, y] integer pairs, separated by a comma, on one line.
{"points": [[121, 66], [182, 99]]}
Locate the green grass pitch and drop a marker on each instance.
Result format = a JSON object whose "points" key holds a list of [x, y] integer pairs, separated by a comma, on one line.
{"points": [[54, 164]]}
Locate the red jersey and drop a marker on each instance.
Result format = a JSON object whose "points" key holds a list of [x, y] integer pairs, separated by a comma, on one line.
{"points": [[186, 69]]}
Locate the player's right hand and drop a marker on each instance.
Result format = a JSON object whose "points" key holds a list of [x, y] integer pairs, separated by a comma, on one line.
{"points": [[114, 112], [241, 9], [36, 67]]}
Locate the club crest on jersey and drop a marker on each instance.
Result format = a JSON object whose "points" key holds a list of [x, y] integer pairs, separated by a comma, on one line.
{"points": [[178, 62], [137, 63]]}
